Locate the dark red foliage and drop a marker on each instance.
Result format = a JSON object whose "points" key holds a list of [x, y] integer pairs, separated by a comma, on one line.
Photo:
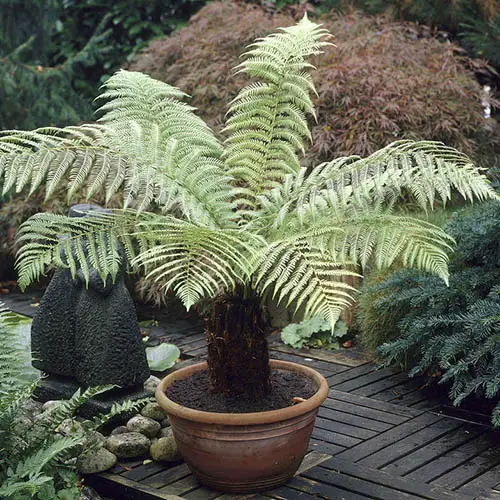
{"points": [[383, 81]]}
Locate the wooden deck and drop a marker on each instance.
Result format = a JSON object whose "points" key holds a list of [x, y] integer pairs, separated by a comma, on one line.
{"points": [[379, 435]]}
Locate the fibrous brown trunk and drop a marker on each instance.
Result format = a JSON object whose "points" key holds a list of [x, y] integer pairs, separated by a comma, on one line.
{"points": [[238, 355]]}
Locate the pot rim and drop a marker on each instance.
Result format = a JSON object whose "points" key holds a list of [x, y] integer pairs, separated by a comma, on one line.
{"points": [[264, 417]]}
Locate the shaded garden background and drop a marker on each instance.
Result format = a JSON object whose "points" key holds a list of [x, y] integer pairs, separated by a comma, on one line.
{"points": [[401, 69]]}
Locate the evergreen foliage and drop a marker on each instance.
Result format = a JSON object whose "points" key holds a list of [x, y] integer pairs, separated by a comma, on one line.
{"points": [[450, 331], [244, 214], [35, 461], [54, 54]]}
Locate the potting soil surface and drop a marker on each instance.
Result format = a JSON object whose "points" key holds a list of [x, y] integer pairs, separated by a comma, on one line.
{"points": [[194, 392]]}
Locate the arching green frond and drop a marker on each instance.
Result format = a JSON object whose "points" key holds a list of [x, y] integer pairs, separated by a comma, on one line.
{"points": [[305, 275], [49, 155], [176, 156], [86, 245], [428, 170], [381, 238], [194, 261], [267, 122], [149, 144]]}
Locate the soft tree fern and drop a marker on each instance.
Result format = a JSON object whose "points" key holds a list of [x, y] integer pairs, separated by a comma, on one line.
{"points": [[238, 219]]}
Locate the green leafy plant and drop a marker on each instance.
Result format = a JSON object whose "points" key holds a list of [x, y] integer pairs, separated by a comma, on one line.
{"points": [[314, 332], [241, 220], [36, 461], [162, 357], [54, 54], [450, 333]]}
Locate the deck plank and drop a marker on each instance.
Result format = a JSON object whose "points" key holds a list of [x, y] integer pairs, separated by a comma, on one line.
{"points": [[167, 476], [383, 478], [354, 420], [365, 380], [382, 406], [348, 430], [426, 454], [322, 490], [468, 471], [403, 447], [389, 437], [375, 491], [450, 460]]}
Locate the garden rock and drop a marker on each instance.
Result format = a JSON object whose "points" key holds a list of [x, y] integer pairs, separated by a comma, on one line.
{"points": [[95, 439], [154, 411], [87, 329], [32, 407], [165, 432], [50, 405], [151, 383], [121, 429], [69, 426], [165, 422], [129, 445], [165, 450], [96, 461], [144, 425]]}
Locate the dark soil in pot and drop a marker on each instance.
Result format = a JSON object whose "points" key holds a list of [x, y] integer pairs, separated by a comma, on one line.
{"points": [[194, 392]]}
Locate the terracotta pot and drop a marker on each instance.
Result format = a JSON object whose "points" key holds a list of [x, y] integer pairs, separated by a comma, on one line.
{"points": [[243, 452]]}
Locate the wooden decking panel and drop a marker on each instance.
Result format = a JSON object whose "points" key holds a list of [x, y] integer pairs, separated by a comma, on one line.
{"points": [[379, 435], [375, 437]]}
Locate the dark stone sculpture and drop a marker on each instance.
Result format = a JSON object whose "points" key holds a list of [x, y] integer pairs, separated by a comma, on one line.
{"points": [[89, 333]]}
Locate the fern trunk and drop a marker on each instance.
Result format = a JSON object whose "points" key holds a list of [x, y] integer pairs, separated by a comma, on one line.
{"points": [[238, 355]]}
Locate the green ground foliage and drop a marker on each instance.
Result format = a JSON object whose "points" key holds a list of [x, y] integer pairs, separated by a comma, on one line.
{"points": [[36, 460], [451, 333]]}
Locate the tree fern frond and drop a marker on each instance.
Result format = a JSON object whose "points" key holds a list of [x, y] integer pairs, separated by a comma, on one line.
{"points": [[428, 170], [13, 488], [73, 243], [170, 148], [250, 214], [306, 276], [46, 155], [273, 110], [381, 238], [194, 261], [148, 143]]}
